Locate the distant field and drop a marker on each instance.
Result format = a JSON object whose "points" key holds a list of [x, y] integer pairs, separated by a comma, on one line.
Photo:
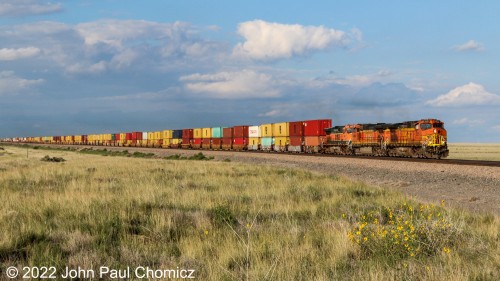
{"points": [[229, 221], [475, 151]]}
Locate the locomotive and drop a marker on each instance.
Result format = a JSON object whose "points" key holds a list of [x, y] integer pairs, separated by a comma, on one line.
{"points": [[425, 138]]}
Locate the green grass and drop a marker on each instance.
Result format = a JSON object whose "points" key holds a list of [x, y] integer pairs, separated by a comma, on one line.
{"points": [[229, 221]]}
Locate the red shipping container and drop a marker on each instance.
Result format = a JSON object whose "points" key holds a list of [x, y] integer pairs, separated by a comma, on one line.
{"points": [[296, 141], [216, 142], [197, 141], [137, 136], [296, 129], [117, 137], [240, 132], [227, 132], [128, 136], [205, 141], [227, 143], [187, 134], [316, 127], [240, 141]]}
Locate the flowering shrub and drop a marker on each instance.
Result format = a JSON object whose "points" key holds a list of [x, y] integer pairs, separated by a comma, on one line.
{"points": [[407, 231]]}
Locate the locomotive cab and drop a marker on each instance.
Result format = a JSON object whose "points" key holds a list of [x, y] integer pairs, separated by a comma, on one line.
{"points": [[433, 136]]}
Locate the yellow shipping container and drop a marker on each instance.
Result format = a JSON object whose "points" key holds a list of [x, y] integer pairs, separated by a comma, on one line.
{"points": [[253, 141], [151, 135], [166, 142], [158, 135], [197, 133], [281, 141], [123, 137], [207, 133], [167, 134], [266, 130], [280, 129], [176, 141]]}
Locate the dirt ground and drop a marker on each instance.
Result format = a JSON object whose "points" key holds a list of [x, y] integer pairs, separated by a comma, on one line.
{"points": [[471, 187]]}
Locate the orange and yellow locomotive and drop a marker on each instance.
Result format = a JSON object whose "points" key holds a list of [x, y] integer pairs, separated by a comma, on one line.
{"points": [[425, 138]]}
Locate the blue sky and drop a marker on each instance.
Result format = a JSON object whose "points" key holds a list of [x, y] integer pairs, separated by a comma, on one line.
{"points": [[74, 67]]}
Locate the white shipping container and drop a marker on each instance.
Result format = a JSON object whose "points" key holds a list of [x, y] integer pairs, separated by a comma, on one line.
{"points": [[254, 132], [144, 135]]}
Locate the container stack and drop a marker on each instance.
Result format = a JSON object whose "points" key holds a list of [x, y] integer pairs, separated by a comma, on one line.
{"points": [[240, 137], [206, 138], [176, 139], [253, 138], [266, 140], [187, 138], [314, 134], [216, 138], [227, 138], [197, 138], [296, 130], [166, 138], [281, 136]]}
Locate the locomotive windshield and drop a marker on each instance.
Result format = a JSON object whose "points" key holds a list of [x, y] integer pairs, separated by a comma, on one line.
{"points": [[425, 126], [438, 125]]}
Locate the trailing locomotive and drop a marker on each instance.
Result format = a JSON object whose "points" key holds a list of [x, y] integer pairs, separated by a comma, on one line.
{"points": [[425, 138]]}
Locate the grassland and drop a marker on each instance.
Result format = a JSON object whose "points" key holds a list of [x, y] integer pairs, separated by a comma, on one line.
{"points": [[475, 151], [230, 221]]}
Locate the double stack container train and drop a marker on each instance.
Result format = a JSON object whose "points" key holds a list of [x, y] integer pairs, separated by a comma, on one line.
{"points": [[425, 138]]}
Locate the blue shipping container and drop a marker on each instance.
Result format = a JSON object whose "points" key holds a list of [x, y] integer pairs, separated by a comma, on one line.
{"points": [[217, 132]]}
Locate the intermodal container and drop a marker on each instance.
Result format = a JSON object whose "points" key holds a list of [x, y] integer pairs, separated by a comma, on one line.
{"points": [[240, 143], [227, 143], [144, 135], [280, 129], [166, 142], [266, 130], [196, 143], [253, 131], [151, 135], [296, 129], [128, 136], [295, 143], [227, 132], [253, 143], [176, 141], [158, 135], [167, 134], [316, 127], [216, 143], [206, 143], [197, 133], [281, 143], [206, 133], [266, 143], [216, 132], [177, 134], [187, 138], [240, 132]]}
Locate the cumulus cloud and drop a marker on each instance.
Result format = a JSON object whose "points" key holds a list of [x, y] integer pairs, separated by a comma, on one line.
{"points": [[10, 84], [471, 45], [271, 41], [233, 85], [14, 8], [469, 94], [7, 54]]}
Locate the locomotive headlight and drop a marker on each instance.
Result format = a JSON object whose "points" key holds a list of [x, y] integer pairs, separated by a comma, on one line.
{"points": [[435, 131]]}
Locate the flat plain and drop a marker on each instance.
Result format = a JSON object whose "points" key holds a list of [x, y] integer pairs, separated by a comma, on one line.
{"points": [[230, 221], [475, 151]]}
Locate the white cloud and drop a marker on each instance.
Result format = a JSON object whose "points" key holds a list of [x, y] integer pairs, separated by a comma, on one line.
{"points": [[362, 80], [20, 53], [471, 45], [95, 68], [27, 7], [270, 41], [468, 121], [469, 94], [233, 85], [10, 84]]}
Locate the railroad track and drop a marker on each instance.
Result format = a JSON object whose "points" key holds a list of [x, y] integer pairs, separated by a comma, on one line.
{"points": [[402, 159]]}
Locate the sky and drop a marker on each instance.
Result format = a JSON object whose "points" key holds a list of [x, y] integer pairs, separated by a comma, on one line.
{"points": [[72, 67]]}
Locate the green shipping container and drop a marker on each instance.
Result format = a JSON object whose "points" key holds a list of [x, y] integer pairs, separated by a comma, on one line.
{"points": [[217, 132]]}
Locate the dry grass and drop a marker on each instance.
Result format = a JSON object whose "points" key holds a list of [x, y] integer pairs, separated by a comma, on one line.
{"points": [[474, 151], [228, 221]]}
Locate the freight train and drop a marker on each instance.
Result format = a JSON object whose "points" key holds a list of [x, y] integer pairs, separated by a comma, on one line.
{"points": [[425, 138]]}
